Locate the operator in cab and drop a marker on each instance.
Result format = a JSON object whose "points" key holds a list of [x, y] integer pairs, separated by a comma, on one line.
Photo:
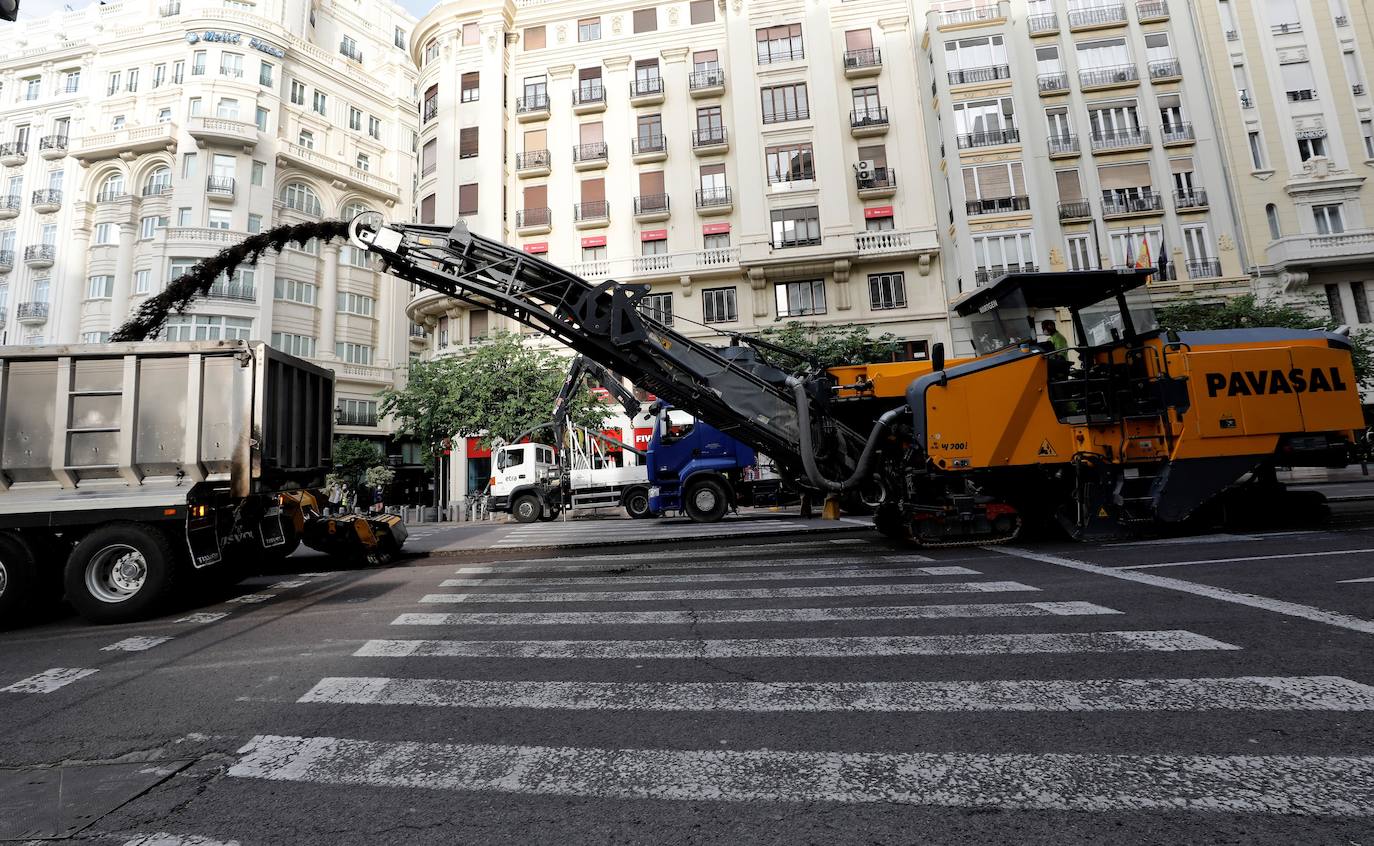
{"points": [[1054, 338]]}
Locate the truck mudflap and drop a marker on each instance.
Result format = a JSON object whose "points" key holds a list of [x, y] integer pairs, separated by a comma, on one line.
{"points": [[371, 540]]}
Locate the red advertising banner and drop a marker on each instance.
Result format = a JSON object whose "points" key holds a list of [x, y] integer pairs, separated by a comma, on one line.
{"points": [[642, 437], [594, 241], [653, 235], [878, 211], [715, 228], [475, 449], [612, 433], [537, 247]]}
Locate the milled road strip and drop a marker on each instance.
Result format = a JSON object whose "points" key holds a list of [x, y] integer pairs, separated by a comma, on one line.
{"points": [[1302, 693], [674, 563], [756, 615], [740, 593], [1268, 784], [48, 680], [203, 617], [801, 647], [135, 644], [687, 578], [1278, 606], [1243, 558], [252, 598]]}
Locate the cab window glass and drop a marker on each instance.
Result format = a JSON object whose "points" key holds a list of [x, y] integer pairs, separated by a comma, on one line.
{"points": [[511, 457]]}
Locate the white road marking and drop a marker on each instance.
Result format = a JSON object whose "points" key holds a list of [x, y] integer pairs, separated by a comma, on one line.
{"points": [[800, 647], [760, 615], [674, 564], [583, 532], [683, 578], [289, 583], [203, 617], [740, 593], [134, 644], [252, 598], [1246, 558], [48, 680], [1278, 606], [1250, 693], [1270, 784], [1355, 581], [728, 552], [162, 838]]}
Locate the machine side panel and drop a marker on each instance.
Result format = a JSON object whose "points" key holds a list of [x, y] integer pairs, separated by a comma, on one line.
{"points": [[997, 417], [1338, 409]]}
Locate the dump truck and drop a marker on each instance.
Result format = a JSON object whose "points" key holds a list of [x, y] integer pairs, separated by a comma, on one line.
{"points": [[129, 470]]}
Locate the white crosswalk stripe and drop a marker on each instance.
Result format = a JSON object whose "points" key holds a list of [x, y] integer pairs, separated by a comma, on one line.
{"points": [[680, 578], [740, 593], [801, 647], [48, 680], [1316, 693], [758, 615], [594, 531], [1253, 783], [135, 644], [761, 550], [609, 568]]}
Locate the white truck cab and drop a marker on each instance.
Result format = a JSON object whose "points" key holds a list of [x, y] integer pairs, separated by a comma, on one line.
{"points": [[524, 478]]}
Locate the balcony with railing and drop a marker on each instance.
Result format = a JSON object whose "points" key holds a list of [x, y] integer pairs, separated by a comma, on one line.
{"points": [[970, 76], [1232, 35], [1203, 268], [223, 131], [710, 141], [1166, 70], [707, 83], [1286, 28], [1063, 145], [52, 147], [1120, 139], [534, 107], [588, 97], [429, 110], [1112, 77], [350, 51], [1043, 24], [975, 16], [1053, 83], [363, 415], [649, 148], [861, 63], [715, 200], [534, 221], [985, 275], [32, 313], [1075, 210], [876, 184], [647, 91], [1144, 202], [1301, 95], [588, 156], [1351, 247], [6, 261], [869, 121], [989, 138], [651, 207], [46, 200], [1150, 11], [13, 153], [1194, 199], [1175, 134], [10, 206], [661, 265], [131, 141], [591, 213], [334, 169], [168, 10], [417, 331], [219, 187], [997, 205], [39, 256], [234, 291], [1097, 17], [1246, 101], [533, 163], [110, 195]]}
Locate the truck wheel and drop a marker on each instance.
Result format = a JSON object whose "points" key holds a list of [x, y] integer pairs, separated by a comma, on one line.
{"points": [[18, 580], [636, 502], [527, 508], [119, 572], [705, 501]]}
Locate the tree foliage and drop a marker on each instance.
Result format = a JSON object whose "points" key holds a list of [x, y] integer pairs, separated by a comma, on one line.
{"points": [[831, 345], [1248, 311], [497, 390], [353, 457]]}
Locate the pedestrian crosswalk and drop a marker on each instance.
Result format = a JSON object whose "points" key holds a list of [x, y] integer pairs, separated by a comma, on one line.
{"points": [[595, 532], [790, 634]]}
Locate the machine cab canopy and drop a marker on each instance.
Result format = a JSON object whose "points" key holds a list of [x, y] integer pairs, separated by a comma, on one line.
{"points": [[1106, 306]]}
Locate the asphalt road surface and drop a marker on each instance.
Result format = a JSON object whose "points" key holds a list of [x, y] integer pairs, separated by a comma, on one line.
{"points": [[814, 689]]}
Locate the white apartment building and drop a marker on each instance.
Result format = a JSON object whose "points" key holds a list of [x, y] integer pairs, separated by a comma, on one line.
{"points": [[1075, 134], [137, 139]]}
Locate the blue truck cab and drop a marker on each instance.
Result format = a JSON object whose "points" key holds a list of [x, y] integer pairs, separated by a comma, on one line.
{"points": [[699, 470]]}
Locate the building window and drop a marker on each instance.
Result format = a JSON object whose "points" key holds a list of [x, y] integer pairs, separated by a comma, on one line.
{"points": [[716, 241], [467, 142], [996, 254], [472, 35], [785, 102], [198, 63], [261, 119], [1080, 253], [703, 11], [111, 89], [881, 223], [471, 87], [534, 38], [1361, 296], [1333, 303], [779, 43], [886, 290], [355, 118], [427, 209], [95, 337], [306, 139], [467, 199], [133, 80], [348, 46], [657, 307], [320, 103], [798, 227], [646, 20], [227, 108], [297, 92], [431, 50], [1329, 219], [142, 281], [589, 29], [184, 216], [1271, 212], [208, 327], [294, 291], [164, 115], [297, 345], [257, 172], [800, 299], [1367, 132], [596, 253], [374, 127], [71, 81], [429, 109], [653, 247], [789, 163], [104, 234], [148, 226], [254, 223], [362, 162], [118, 122], [353, 353], [718, 305], [220, 218], [100, 287], [398, 38], [354, 412], [178, 72], [1256, 151], [350, 303], [1310, 147], [301, 197]]}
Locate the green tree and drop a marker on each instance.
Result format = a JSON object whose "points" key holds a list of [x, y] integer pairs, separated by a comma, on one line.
{"points": [[496, 390], [830, 345], [1191, 314], [353, 457]]}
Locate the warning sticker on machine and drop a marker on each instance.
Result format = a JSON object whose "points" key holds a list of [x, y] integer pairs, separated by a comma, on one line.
{"points": [[1047, 449]]}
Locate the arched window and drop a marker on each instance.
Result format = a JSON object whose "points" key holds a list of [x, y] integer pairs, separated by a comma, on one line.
{"points": [[158, 181], [1271, 211], [354, 209], [299, 196], [112, 187]]}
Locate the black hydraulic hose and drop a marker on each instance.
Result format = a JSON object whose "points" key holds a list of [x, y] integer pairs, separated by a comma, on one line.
{"points": [[808, 452]]}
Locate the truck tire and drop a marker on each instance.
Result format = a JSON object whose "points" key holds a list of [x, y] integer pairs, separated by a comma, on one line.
{"points": [[120, 572], [636, 503], [705, 500], [19, 585], [527, 508]]}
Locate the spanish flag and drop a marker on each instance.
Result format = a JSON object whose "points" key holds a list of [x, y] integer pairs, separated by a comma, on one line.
{"points": [[1143, 260]]}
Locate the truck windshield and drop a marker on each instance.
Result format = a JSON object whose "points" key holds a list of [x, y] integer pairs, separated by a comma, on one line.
{"points": [[1002, 323], [1103, 322], [510, 457]]}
